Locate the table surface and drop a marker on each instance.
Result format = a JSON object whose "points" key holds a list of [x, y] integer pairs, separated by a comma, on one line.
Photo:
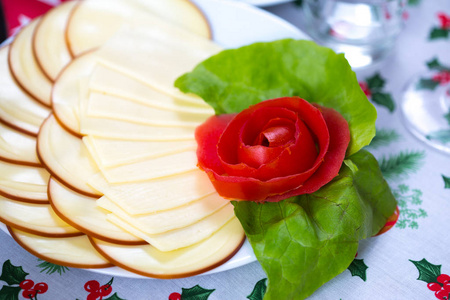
{"points": [[389, 266]]}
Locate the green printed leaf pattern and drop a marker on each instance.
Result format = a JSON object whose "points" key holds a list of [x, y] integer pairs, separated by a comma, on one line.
{"points": [[383, 137], [50, 268], [358, 268], [427, 84], [404, 163], [435, 64], [196, 293], [376, 82], [376, 85], [10, 292], [446, 181], [114, 297], [442, 136], [409, 215], [439, 33], [428, 272], [12, 274], [259, 290]]}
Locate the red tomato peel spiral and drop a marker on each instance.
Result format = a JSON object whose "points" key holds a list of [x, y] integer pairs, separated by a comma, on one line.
{"points": [[273, 150]]}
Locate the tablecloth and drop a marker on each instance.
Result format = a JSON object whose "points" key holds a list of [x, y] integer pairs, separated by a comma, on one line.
{"points": [[398, 264]]}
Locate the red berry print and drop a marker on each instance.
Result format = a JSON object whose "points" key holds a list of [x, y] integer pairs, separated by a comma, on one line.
{"points": [[442, 77], [97, 292], [175, 296], [91, 286], [441, 295], [365, 88], [433, 286], [443, 278], [26, 284], [41, 287], [30, 290], [444, 20]]}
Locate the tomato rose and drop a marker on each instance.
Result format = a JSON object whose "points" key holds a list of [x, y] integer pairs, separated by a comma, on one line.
{"points": [[273, 150]]}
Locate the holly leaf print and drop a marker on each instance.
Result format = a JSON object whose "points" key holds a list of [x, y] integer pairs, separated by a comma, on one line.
{"points": [[10, 292], [375, 82], [426, 84], [384, 99], [401, 164], [114, 297], [434, 64], [438, 33], [50, 268], [446, 182], [413, 2], [427, 271], [358, 268], [383, 137], [12, 274], [196, 293], [259, 290], [442, 136]]}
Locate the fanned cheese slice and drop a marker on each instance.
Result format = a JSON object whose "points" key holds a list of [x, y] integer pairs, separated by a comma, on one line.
{"points": [[75, 252], [66, 157], [154, 223], [24, 183], [17, 147], [93, 22], [83, 213], [157, 194], [110, 152], [49, 41], [39, 219], [112, 107], [17, 108], [25, 68], [185, 236], [189, 261]]}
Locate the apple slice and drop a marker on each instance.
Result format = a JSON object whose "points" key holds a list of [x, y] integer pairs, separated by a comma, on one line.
{"points": [[17, 147], [189, 261], [93, 22], [23, 183], [66, 157], [83, 213], [109, 81], [76, 252], [17, 108], [111, 152], [163, 221], [38, 219], [49, 40], [158, 194], [181, 237], [25, 68]]}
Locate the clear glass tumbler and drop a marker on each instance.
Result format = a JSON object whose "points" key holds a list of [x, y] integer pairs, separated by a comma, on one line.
{"points": [[364, 30]]}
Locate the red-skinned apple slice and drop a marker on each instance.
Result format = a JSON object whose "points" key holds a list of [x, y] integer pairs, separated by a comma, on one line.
{"points": [[189, 261], [49, 40], [94, 22], [38, 219], [76, 252], [65, 157], [17, 147], [24, 67], [83, 213], [17, 108], [23, 183]]}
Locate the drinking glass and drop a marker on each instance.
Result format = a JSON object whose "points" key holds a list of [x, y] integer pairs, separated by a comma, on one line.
{"points": [[364, 30]]}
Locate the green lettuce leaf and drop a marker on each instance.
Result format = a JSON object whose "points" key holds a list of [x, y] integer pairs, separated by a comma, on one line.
{"points": [[235, 79], [304, 241]]}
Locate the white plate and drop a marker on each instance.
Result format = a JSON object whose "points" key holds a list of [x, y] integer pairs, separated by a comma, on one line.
{"points": [[233, 24], [265, 2]]}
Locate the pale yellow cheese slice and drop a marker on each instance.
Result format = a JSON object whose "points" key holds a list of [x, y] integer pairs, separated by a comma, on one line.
{"points": [[49, 41], [109, 81], [154, 223], [158, 194], [75, 252], [111, 152], [25, 68], [102, 105], [16, 146], [195, 259], [16, 107], [38, 219], [22, 182], [66, 156], [181, 237], [83, 213], [94, 22]]}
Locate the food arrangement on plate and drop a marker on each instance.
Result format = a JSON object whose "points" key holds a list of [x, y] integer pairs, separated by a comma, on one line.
{"points": [[131, 139]]}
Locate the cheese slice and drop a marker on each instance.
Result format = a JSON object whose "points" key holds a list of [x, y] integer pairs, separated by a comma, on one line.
{"points": [[25, 183], [39, 219], [17, 147], [111, 152], [112, 107], [66, 157], [49, 41], [182, 216], [25, 68], [93, 22], [189, 261], [83, 213], [76, 252], [109, 81], [181, 237], [17, 108], [156, 195]]}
